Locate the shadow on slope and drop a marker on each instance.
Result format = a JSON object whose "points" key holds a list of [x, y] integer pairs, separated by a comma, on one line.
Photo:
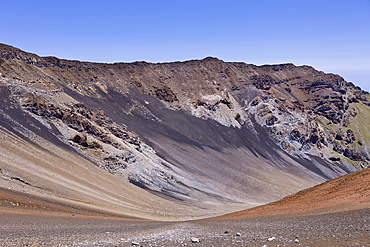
{"points": [[226, 160]]}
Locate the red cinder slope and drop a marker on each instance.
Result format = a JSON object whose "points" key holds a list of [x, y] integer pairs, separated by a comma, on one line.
{"points": [[348, 192]]}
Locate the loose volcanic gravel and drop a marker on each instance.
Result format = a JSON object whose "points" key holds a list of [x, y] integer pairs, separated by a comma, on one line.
{"points": [[350, 228]]}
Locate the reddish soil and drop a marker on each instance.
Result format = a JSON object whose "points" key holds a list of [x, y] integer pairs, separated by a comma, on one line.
{"points": [[348, 192]]}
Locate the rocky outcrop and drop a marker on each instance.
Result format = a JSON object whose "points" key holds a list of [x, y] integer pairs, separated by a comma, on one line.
{"points": [[90, 131]]}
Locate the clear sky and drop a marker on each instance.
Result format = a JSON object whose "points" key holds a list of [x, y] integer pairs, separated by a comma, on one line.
{"points": [[330, 35]]}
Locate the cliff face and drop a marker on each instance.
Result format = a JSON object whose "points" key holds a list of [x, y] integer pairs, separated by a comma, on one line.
{"points": [[196, 131]]}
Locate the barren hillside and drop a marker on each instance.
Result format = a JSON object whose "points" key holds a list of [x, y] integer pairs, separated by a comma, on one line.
{"points": [[345, 193], [174, 140]]}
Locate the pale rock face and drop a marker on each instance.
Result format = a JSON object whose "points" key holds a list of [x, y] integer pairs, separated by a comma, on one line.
{"points": [[226, 111]]}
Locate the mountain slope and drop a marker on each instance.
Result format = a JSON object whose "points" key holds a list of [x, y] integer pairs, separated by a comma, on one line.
{"points": [[201, 134], [345, 193], [41, 174]]}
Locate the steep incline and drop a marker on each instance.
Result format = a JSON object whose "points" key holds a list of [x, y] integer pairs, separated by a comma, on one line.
{"points": [[36, 173], [201, 133]]}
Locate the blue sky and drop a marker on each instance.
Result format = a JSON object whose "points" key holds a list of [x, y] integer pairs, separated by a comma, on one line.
{"points": [[333, 36]]}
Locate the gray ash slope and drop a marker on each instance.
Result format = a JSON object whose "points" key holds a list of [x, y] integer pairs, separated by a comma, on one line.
{"points": [[201, 132]]}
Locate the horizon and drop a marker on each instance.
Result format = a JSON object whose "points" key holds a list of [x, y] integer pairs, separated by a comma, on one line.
{"points": [[331, 36]]}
